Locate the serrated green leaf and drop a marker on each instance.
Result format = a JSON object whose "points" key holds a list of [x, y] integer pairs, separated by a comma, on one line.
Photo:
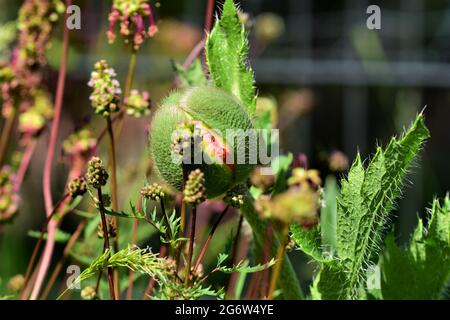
{"points": [[192, 76], [363, 212], [422, 270], [227, 56], [308, 241]]}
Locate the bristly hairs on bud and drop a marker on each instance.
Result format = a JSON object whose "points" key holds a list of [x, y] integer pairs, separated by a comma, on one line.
{"points": [[154, 192]]}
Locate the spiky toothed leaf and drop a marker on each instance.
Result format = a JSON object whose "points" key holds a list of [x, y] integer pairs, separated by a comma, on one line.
{"points": [[226, 52], [308, 241], [422, 270], [363, 213], [192, 76]]}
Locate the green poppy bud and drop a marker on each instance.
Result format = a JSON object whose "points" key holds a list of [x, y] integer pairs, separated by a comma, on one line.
{"points": [[211, 115]]}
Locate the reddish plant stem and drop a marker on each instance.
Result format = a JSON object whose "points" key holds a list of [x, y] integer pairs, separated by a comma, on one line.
{"points": [[114, 193], [6, 133], [265, 273], [134, 239], [38, 246], [187, 270], [208, 240], [151, 282], [234, 255], [106, 243], [48, 251], [209, 15], [24, 164], [73, 239]]}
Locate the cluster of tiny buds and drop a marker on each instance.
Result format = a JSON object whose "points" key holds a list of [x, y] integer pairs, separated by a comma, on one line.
{"points": [[105, 97], [77, 187], [194, 191], [88, 293], [131, 14], [137, 104], [81, 142], [96, 175], [154, 192]]}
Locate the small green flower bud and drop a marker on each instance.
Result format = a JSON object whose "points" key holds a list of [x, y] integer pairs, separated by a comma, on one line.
{"points": [[96, 174], [77, 187], [154, 192], [194, 192], [88, 293], [81, 142]]}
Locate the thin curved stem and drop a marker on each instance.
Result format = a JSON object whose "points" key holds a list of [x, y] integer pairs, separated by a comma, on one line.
{"points": [[38, 246], [73, 239], [24, 164], [46, 181], [208, 240]]}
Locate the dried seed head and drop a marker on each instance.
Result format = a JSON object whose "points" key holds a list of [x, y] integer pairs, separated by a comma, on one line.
{"points": [[154, 192], [96, 174], [105, 97], [77, 187], [195, 192], [88, 293]]}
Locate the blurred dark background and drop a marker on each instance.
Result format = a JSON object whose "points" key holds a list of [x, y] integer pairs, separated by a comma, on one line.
{"points": [[338, 85]]}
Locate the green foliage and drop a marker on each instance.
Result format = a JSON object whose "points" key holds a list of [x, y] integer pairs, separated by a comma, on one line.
{"points": [[422, 270], [133, 258], [226, 52], [192, 76], [362, 217], [60, 236], [241, 267]]}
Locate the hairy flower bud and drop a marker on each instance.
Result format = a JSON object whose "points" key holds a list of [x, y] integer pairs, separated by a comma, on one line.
{"points": [[194, 192], [81, 142], [208, 114], [16, 283], [96, 174]]}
